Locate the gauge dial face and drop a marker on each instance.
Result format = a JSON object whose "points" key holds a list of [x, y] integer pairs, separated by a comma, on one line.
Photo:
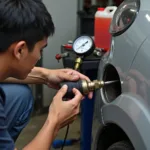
{"points": [[83, 44]]}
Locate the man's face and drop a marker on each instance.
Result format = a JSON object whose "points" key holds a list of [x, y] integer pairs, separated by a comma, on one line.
{"points": [[27, 60]]}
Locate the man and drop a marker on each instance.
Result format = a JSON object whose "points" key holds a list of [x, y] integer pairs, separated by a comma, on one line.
{"points": [[25, 26]]}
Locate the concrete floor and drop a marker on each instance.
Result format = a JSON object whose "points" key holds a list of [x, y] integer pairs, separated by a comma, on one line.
{"points": [[36, 123]]}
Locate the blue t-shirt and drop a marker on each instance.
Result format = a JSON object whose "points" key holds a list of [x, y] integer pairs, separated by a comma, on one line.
{"points": [[6, 142]]}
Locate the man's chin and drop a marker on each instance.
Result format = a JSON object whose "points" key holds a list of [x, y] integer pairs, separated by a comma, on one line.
{"points": [[21, 77]]}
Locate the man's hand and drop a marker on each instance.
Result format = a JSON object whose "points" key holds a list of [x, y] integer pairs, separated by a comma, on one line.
{"points": [[64, 112], [55, 77], [52, 78]]}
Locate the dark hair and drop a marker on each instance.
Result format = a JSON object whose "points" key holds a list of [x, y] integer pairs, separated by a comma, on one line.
{"points": [[26, 20]]}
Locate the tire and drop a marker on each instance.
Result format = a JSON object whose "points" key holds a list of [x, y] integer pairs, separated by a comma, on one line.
{"points": [[121, 145]]}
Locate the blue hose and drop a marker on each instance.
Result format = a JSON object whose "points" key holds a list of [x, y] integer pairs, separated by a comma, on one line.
{"points": [[59, 143]]}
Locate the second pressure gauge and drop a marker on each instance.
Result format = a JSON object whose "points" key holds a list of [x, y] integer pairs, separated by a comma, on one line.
{"points": [[83, 45]]}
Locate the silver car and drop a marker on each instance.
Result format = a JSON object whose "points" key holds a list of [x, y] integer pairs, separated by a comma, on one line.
{"points": [[122, 110]]}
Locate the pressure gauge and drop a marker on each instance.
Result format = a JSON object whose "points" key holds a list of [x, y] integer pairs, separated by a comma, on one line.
{"points": [[83, 45]]}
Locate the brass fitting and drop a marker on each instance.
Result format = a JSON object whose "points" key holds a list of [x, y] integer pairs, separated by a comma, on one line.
{"points": [[91, 86], [78, 62]]}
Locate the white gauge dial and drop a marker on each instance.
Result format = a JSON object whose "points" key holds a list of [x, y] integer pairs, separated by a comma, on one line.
{"points": [[82, 44]]}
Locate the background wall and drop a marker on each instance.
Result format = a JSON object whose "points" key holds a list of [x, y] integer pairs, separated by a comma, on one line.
{"points": [[64, 14]]}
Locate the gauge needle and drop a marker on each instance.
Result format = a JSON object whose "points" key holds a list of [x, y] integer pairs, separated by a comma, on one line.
{"points": [[83, 44]]}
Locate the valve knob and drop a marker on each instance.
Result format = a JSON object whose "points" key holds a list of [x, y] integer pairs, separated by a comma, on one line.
{"points": [[60, 56]]}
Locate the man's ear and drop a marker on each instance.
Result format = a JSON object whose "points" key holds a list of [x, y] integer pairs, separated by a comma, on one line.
{"points": [[20, 50]]}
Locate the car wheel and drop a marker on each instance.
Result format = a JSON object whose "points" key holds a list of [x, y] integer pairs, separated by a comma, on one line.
{"points": [[121, 145]]}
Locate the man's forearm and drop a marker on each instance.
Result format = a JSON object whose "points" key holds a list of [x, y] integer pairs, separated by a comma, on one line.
{"points": [[44, 138], [36, 76]]}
